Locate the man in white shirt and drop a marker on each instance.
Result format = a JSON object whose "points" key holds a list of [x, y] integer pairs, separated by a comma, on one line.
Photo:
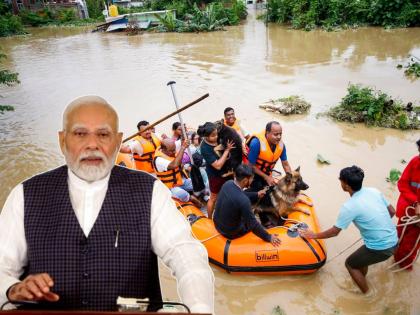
{"points": [[79, 236]]}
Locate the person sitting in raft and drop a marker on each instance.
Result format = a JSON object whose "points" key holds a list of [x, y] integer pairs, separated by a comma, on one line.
{"points": [[371, 213], [168, 166], [214, 163], [143, 148], [176, 131], [233, 216], [265, 149], [409, 204]]}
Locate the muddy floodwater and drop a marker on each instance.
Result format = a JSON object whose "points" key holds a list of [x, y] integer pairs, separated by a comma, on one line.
{"points": [[240, 67]]}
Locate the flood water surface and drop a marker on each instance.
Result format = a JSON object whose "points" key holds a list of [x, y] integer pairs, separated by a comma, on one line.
{"points": [[241, 67]]}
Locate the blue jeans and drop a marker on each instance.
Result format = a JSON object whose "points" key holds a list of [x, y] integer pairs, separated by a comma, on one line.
{"points": [[181, 192]]}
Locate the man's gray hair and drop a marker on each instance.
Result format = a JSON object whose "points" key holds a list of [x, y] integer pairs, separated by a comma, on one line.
{"points": [[87, 100]]}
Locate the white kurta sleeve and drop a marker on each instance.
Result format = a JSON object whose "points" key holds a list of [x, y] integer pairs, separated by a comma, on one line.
{"points": [[185, 256], [13, 248]]}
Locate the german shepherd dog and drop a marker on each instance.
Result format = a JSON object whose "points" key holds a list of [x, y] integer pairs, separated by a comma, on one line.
{"points": [[224, 134], [284, 195]]}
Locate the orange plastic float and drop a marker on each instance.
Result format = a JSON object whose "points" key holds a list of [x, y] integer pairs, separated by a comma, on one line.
{"points": [[126, 160], [251, 255]]}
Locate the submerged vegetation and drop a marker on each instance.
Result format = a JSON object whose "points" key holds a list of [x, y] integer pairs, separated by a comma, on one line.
{"points": [[375, 108], [412, 69], [7, 78], [330, 14], [213, 17]]}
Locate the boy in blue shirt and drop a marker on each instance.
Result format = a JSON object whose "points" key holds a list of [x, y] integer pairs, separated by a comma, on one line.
{"points": [[371, 213]]}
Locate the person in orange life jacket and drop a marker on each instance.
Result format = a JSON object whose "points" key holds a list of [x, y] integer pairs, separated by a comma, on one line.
{"points": [[143, 148], [231, 121], [265, 149], [409, 187], [168, 166]]}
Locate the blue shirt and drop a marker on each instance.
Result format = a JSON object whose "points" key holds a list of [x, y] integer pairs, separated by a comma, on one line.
{"points": [[254, 151], [368, 210]]}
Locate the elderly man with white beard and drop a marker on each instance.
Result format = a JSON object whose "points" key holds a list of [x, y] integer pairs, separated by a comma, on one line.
{"points": [[79, 236]]}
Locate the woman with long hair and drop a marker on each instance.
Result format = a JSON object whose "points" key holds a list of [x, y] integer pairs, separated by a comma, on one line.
{"points": [[214, 163]]}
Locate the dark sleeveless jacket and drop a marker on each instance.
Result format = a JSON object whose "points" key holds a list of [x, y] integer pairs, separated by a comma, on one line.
{"points": [[89, 273]]}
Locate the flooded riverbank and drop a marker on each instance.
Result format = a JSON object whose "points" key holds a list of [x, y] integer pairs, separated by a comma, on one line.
{"points": [[240, 67]]}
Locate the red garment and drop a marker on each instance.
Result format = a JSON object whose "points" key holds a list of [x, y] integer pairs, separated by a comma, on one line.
{"points": [[409, 187], [408, 193]]}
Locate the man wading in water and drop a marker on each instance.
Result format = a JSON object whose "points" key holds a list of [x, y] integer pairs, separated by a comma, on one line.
{"points": [[371, 213]]}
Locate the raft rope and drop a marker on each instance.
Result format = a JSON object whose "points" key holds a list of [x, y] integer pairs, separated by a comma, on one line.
{"points": [[179, 206], [343, 251], [407, 220]]}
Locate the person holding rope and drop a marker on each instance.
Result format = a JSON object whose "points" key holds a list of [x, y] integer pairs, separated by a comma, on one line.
{"points": [[371, 213], [408, 206]]}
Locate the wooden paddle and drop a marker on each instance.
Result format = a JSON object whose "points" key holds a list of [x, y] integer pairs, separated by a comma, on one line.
{"points": [[168, 116]]}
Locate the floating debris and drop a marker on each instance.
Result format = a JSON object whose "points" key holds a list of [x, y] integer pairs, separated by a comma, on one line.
{"points": [[4, 108], [287, 105], [412, 69], [322, 160], [394, 176], [278, 311]]}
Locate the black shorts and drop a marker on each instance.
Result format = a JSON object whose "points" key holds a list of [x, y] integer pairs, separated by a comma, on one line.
{"points": [[364, 256]]}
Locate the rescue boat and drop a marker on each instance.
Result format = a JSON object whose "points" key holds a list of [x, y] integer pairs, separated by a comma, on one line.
{"points": [[251, 255]]}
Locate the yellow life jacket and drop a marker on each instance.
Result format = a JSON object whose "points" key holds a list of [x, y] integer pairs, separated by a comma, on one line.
{"points": [[145, 161], [234, 126], [266, 159], [171, 178]]}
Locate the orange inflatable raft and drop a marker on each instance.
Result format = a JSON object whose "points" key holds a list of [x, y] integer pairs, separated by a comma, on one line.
{"points": [[251, 255]]}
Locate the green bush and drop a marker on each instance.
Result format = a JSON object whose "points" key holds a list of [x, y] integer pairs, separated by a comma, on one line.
{"points": [[307, 14], [67, 15], [374, 108], [39, 18], [95, 8], [212, 18], [9, 24]]}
